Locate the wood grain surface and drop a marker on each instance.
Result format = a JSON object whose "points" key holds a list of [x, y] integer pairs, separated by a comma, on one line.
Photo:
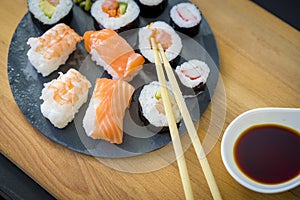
{"points": [[260, 67]]}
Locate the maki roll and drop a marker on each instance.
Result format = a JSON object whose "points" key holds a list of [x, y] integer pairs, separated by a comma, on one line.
{"points": [[185, 18], [151, 108], [119, 15], [152, 8], [163, 34], [47, 13], [193, 74], [52, 49], [64, 96]]}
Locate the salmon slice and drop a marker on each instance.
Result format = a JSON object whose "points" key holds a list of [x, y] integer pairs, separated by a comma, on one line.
{"points": [[162, 37], [104, 116], [111, 8], [112, 52]]}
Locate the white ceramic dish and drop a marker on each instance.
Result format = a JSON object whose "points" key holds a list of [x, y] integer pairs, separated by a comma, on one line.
{"points": [[289, 117]]}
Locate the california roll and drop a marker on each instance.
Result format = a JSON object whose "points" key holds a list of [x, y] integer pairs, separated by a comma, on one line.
{"points": [[193, 74], [185, 18], [119, 15], [151, 107], [163, 34], [47, 13]]}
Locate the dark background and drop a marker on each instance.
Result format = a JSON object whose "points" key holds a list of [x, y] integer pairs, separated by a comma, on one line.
{"points": [[15, 185], [287, 10]]}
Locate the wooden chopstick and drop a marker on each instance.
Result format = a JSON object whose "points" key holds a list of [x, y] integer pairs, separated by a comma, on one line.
{"points": [[190, 127], [172, 125]]}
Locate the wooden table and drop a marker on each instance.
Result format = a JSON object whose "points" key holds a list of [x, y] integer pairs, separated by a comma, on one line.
{"points": [[260, 67]]}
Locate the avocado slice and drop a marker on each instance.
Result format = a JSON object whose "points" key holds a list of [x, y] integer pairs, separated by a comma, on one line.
{"points": [[47, 8], [158, 95], [86, 4], [122, 7]]}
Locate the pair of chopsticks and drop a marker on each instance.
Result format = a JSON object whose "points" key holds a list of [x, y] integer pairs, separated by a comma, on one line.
{"points": [[158, 55]]}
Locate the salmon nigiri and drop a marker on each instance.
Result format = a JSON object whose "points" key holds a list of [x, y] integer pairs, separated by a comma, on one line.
{"points": [[64, 96], [53, 48], [104, 116], [112, 52]]}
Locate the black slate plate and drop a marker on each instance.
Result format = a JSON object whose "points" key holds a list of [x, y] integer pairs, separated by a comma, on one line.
{"points": [[26, 85]]}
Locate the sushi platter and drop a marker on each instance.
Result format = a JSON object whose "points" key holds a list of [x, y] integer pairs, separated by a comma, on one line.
{"points": [[27, 84]]}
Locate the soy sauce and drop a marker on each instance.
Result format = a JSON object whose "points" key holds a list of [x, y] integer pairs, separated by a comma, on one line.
{"points": [[268, 153]]}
